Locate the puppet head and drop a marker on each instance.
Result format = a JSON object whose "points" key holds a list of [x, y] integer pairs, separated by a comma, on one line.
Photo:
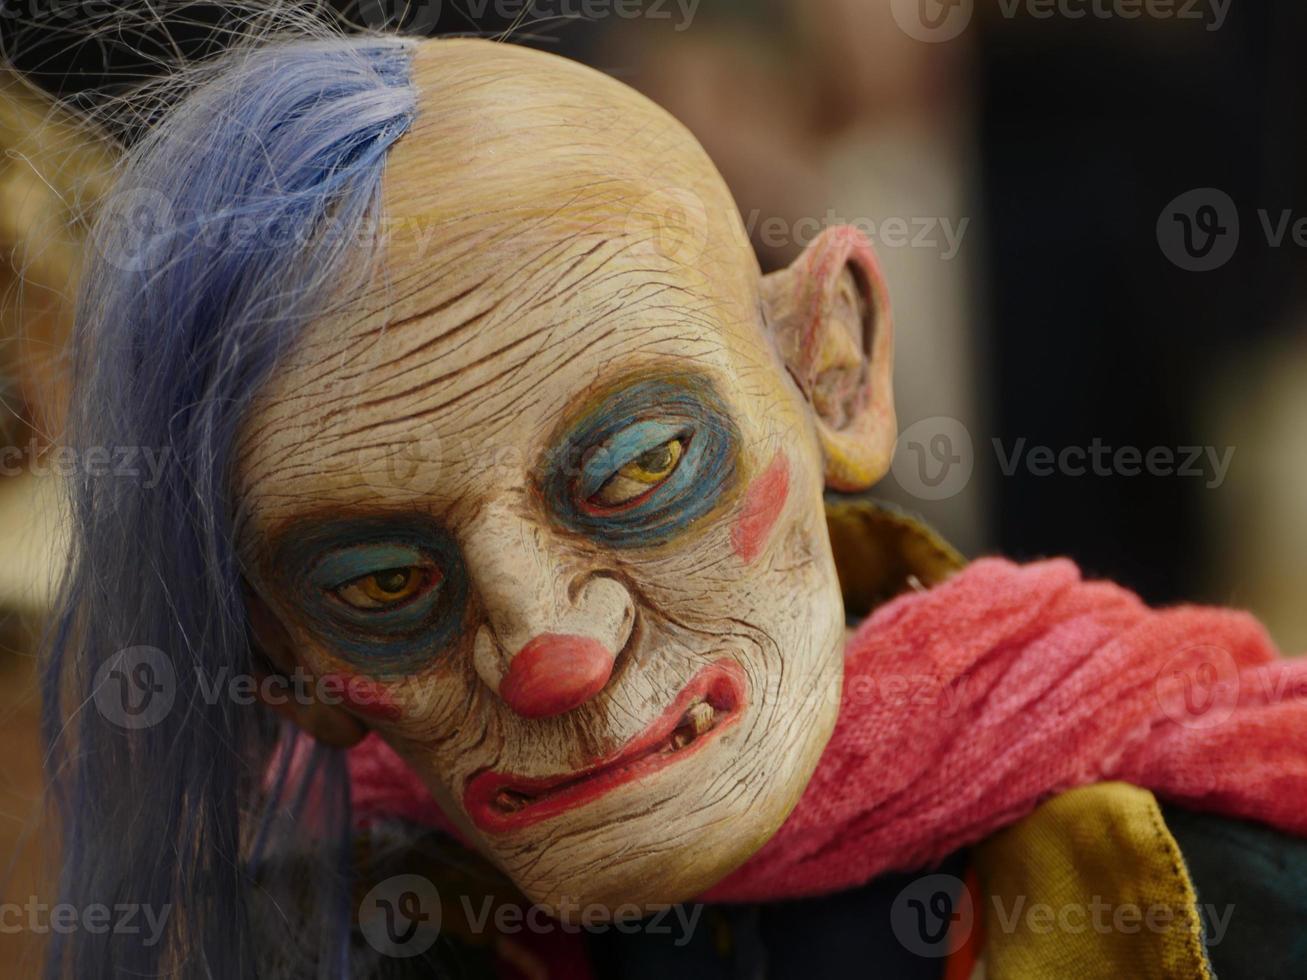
{"points": [[552, 490], [537, 480]]}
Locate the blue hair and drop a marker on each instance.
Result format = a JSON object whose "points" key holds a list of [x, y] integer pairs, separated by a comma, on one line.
{"points": [[242, 216]]}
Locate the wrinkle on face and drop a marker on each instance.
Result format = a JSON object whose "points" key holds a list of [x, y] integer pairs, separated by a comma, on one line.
{"points": [[539, 254]]}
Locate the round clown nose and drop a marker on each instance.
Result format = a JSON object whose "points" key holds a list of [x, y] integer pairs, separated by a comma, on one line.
{"points": [[554, 673]]}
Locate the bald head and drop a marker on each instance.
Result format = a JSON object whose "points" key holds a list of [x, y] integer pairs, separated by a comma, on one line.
{"points": [[512, 143]]}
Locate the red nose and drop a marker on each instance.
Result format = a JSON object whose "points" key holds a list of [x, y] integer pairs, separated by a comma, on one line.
{"points": [[554, 673]]}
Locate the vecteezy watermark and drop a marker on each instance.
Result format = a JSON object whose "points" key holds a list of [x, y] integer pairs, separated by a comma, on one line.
{"points": [[1099, 459], [669, 223], [933, 915], [299, 687], [934, 458], [85, 11], [904, 693], [943, 20], [135, 688], [115, 462], [677, 922], [134, 230], [401, 917], [140, 227], [1102, 917], [938, 233], [422, 16], [932, 20], [1199, 230], [907, 692], [63, 918], [410, 465], [681, 11], [1199, 686]]}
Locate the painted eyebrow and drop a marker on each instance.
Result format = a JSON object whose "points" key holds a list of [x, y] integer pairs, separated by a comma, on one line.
{"points": [[590, 403]]}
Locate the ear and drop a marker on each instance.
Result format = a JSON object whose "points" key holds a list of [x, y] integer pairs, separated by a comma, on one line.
{"points": [[328, 723], [830, 321]]}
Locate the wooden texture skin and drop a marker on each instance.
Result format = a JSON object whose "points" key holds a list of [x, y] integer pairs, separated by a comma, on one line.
{"points": [[583, 443]]}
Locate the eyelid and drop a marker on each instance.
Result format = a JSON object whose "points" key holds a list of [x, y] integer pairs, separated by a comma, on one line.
{"points": [[350, 564], [620, 448]]}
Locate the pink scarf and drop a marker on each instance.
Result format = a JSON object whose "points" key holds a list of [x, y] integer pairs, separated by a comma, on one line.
{"points": [[967, 705]]}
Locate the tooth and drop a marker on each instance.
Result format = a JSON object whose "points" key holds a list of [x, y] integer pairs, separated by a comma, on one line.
{"points": [[681, 738], [700, 717]]}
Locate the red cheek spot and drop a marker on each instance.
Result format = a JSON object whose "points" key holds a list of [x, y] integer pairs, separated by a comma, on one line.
{"points": [[762, 505], [361, 695], [554, 673]]}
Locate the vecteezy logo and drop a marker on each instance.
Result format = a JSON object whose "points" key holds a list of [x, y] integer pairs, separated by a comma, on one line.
{"points": [[671, 223], [1199, 230], [411, 464], [1199, 686], [933, 915], [400, 917], [135, 687], [134, 228], [934, 458], [932, 20]]}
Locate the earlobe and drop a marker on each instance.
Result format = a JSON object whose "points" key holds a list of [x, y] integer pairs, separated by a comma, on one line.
{"points": [[829, 316], [328, 723]]}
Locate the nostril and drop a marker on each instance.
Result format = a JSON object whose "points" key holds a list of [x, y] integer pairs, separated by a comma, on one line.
{"points": [[554, 673]]}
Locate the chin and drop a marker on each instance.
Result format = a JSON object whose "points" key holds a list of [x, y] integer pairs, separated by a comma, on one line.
{"points": [[664, 819]]}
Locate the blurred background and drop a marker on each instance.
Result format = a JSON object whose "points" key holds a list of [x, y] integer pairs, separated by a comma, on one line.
{"points": [[1090, 213]]}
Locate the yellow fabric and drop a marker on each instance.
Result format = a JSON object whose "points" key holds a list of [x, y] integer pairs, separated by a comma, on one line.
{"points": [[1090, 885], [881, 552]]}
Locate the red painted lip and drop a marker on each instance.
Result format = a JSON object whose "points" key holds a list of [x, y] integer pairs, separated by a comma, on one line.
{"points": [[721, 684]]}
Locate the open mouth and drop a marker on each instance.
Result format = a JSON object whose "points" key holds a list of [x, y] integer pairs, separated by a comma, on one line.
{"points": [[709, 704]]}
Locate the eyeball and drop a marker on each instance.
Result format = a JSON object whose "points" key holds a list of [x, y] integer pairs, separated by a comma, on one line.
{"points": [[388, 588], [640, 475]]}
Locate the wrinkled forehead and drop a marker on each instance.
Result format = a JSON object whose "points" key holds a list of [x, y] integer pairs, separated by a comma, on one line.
{"points": [[546, 234]]}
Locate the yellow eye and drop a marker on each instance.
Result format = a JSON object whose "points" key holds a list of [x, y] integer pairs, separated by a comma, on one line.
{"points": [[641, 474], [386, 588]]}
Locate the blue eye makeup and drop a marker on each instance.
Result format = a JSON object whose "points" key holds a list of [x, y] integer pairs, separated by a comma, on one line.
{"points": [[386, 594], [644, 464]]}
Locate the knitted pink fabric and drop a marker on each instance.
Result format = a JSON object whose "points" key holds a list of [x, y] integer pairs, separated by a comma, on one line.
{"points": [[967, 705]]}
